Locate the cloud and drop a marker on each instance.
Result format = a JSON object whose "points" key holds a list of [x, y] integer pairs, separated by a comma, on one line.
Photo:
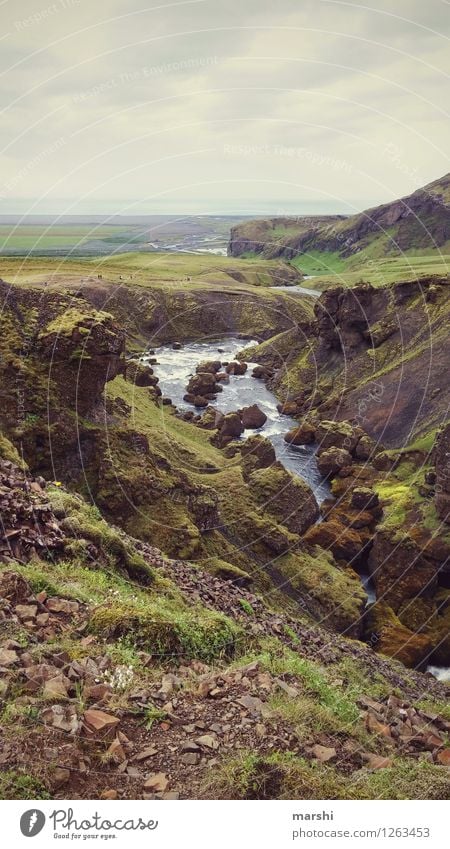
{"points": [[169, 99]]}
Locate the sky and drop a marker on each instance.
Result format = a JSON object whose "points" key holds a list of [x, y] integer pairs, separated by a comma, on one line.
{"points": [[220, 106]]}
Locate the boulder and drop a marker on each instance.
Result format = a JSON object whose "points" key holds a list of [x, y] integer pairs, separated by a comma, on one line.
{"points": [[364, 498], [288, 408], [140, 374], [252, 417], [330, 434], [303, 435], [203, 383], [286, 497], [236, 367], [230, 427], [259, 372], [331, 461], [388, 636], [257, 453], [211, 366]]}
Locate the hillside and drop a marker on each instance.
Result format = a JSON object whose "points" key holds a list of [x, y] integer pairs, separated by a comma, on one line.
{"points": [[416, 225]]}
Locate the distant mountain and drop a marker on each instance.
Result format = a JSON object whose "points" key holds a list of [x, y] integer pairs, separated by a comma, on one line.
{"points": [[418, 223]]}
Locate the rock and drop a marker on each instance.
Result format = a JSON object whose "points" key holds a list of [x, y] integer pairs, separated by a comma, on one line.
{"points": [[96, 692], [8, 658], [200, 401], [157, 782], [222, 377], [208, 741], [288, 408], [285, 496], [259, 372], [145, 754], [116, 752], [323, 753], [364, 498], [442, 472], [62, 605], [365, 448], [257, 453], [190, 758], [201, 384], [376, 761], [331, 461], [60, 777], [140, 374], [375, 727], [230, 428], [443, 757], [236, 367], [56, 688], [303, 435], [98, 720], [212, 366], [330, 434], [109, 793], [26, 611], [252, 417]]}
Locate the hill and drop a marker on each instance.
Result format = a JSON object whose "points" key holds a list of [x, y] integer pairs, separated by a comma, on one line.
{"points": [[416, 225]]}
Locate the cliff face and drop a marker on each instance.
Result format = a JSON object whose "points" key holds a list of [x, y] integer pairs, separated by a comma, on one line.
{"points": [[373, 355], [419, 221]]}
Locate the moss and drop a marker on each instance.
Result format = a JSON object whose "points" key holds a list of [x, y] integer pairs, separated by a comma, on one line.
{"points": [[10, 453], [21, 785], [73, 317], [168, 629]]}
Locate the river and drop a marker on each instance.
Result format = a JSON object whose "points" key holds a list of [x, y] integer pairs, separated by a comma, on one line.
{"points": [[174, 368]]}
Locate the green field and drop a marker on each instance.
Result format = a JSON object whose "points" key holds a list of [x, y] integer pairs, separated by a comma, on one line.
{"points": [[330, 270]]}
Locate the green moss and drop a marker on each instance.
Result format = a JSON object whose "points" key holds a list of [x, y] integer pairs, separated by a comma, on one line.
{"points": [[168, 629], [20, 785]]}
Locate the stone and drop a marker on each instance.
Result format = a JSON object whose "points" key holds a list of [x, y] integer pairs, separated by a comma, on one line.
{"points": [[303, 435], [146, 753], [236, 367], [323, 753], [376, 727], [190, 758], [208, 741], [331, 461], [56, 688], [60, 777], [98, 720], [26, 611], [116, 752], [364, 498], [7, 658], [157, 782], [376, 761], [109, 793], [252, 417]]}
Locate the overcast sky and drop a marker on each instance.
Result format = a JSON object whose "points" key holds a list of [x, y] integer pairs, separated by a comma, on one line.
{"points": [[256, 106]]}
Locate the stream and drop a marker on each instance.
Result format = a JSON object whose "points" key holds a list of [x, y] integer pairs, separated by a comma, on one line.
{"points": [[174, 369]]}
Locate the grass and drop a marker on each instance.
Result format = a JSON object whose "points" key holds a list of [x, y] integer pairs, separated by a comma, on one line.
{"points": [[287, 776], [21, 785]]}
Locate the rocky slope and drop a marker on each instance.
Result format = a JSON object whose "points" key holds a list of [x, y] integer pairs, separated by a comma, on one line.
{"points": [[419, 222], [129, 675]]}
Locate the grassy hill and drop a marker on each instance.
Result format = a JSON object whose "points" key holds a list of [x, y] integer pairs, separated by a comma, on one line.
{"points": [[406, 238]]}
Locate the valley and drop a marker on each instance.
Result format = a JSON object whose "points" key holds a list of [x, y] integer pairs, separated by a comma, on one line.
{"points": [[225, 528]]}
